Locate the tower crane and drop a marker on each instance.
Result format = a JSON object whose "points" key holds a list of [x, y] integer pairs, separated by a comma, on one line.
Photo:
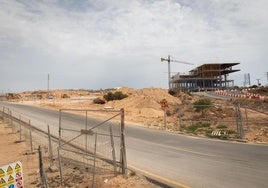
{"points": [[168, 60]]}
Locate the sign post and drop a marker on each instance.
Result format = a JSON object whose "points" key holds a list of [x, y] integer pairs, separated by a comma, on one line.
{"points": [[164, 106]]}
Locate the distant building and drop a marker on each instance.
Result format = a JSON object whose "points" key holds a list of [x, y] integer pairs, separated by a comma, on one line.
{"points": [[205, 78]]}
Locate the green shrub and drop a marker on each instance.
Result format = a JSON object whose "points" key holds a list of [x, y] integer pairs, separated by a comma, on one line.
{"points": [[118, 95], [202, 104], [192, 128], [205, 125], [221, 127], [231, 132]]}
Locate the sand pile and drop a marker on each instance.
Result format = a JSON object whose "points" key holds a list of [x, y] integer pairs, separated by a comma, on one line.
{"points": [[144, 102]]}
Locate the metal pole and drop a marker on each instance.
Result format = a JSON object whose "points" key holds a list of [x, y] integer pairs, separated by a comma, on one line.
{"points": [[86, 134], [59, 160], [113, 150], [50, 146], [41, 169], [9, 116], [3, 113], [180, 117], [123, 146], [169, 74], [246, 113], [20, 126], [59, 142], [94, 167], [31, 139], [11, 120], [165, 118]]}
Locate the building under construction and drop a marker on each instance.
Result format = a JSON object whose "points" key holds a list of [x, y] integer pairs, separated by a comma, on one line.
{"points": [[206, 77]]}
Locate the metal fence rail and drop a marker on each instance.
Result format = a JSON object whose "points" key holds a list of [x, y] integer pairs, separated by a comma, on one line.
{"points": [[96, 146], [99, 145]]}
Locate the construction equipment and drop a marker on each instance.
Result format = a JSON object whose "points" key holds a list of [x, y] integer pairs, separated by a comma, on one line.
{"points": [[171, 60]]}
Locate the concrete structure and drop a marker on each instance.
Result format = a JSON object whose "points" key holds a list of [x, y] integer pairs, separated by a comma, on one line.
{"points": [[205, 77]]}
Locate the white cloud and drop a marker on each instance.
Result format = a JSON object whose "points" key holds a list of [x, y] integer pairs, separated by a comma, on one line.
{"points": [[55, 36]]}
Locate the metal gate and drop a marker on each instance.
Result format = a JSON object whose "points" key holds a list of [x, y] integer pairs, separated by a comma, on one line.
{"points": [[97, 146]]}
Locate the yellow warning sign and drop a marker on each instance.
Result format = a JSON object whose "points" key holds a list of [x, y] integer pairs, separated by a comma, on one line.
{"points": [[9, 170], [11, 179], [17, 168], [11, 175], [2, 173], [2, 182]]}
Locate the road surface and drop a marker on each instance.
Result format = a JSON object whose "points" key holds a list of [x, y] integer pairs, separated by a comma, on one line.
{"points": [[179, 160]]}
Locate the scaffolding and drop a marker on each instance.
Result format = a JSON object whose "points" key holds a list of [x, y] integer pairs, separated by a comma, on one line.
{"points": [[206, 77]]}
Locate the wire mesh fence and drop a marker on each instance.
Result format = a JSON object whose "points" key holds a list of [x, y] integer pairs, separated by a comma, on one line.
{"points": [[224, 121], [88, 145], [98, 145]]}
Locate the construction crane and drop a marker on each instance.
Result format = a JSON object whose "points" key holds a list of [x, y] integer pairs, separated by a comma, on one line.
{"points": [[168, 60]]}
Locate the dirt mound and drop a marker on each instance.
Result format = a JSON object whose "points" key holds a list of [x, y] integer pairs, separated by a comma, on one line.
{"points": [[144, 101]]}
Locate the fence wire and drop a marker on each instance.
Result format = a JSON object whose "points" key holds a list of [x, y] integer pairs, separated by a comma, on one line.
{"points": [[94, 143], [90, 146]]}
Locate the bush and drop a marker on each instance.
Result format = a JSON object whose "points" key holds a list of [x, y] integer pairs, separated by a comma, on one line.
{"points": [[65, 96], [202, 104], [118, 95], [192, 128], [98, 101], [205, 125], [221, 127]]}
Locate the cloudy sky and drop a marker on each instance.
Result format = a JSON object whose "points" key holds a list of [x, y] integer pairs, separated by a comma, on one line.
{"points": [[94, 44]]}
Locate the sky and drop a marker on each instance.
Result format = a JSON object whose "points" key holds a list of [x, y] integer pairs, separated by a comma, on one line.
{"points": [[94, 44]]}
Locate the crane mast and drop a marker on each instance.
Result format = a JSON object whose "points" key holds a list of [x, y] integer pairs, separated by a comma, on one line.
{"points": [[168, 60]]}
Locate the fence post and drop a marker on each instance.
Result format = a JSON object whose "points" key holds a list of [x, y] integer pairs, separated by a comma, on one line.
{"points": [[20, 126], [180, 116], [59, 158], [239, 122], [86, 134], [11, 120], [9, 117], [246, 113], [41, 169], [31, 139], [94, 165], [50, 147], [3, 108], [123, 159], [113, 150]]}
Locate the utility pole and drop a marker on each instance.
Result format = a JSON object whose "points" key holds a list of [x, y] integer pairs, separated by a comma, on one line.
{"points": [[48, 84], [168, 60]]}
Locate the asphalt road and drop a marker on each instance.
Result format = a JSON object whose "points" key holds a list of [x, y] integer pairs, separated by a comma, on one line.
{"points": [[177, 159]]}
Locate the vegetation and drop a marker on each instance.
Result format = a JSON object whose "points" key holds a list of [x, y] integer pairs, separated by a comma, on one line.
{"points": [[196, 128], [98, 101], [221, 127], [65, 96], [118, 95], [202, 104]]}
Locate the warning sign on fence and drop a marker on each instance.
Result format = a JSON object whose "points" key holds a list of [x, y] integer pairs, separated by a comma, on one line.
{"points": [[11, 175]]}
